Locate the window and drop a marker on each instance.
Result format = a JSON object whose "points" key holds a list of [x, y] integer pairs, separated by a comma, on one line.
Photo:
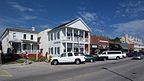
{"points": [[58, 35], [70, 54], [55, 50], [31, 37], [51, 50], [55, 36], [58, 50], [114, 52], [24, 36], [104, 53], [24, 46], [14, 35], [51, 36], [63, 55]]}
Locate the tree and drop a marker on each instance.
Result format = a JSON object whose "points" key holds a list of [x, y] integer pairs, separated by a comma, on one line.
{"points": [[117, 39]]}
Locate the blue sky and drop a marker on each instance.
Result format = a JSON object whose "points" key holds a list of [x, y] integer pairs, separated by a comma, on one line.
{"points": [[116, 17]]}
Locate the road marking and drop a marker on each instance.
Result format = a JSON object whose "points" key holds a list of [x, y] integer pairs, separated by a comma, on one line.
{"points": [[52, 67], [8, 74], [60, 68]]}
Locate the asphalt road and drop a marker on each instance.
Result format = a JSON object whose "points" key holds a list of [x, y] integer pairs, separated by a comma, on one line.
{"points": [[111, 70]]}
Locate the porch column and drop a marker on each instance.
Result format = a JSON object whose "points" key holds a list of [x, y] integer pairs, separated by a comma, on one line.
{"points": [[78, 41], [72, 47], [21, 47], [66, 32], [31, 47], [73, 34], [89, 49], [66, 47], [89, 43], [84, 49], [84, 36]]}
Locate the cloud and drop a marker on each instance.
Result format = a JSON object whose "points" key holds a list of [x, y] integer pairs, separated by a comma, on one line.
{"points": [[134, 28], [20, 7], [88, 16], [131, 9], [29, 17]]}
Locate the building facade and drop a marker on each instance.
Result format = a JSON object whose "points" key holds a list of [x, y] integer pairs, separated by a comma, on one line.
{"points": [[19, 40], [73, 36], [138, 44], [98, 44], [43, 41]]}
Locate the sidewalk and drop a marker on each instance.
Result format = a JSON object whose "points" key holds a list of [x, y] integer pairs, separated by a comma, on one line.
{"points": [[20, 65]]}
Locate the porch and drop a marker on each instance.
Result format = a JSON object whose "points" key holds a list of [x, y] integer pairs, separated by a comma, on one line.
{"points": [[75, 47], [24, 46]]}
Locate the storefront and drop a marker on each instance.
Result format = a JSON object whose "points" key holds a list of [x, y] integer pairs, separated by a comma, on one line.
{"points": [[99, 44]]}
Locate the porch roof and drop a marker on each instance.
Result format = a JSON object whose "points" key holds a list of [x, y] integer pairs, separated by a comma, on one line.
{"points": [[28, 41]]}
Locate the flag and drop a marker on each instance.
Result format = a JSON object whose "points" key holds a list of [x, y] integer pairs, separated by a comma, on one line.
{"points": [[103, 30]]}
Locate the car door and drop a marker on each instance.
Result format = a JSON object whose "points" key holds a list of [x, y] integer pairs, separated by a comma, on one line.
{"points": [[111, 55], [70, 57], [63, 58]]}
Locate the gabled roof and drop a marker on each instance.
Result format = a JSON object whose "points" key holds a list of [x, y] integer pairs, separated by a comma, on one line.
{"points": [[71, 22], [19, 30]]}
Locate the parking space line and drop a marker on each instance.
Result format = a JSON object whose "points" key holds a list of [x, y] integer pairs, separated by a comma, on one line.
{"points": [[7, 73]]}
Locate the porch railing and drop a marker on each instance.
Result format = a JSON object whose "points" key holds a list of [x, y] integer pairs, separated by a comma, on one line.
{"points": [[29, 51]]}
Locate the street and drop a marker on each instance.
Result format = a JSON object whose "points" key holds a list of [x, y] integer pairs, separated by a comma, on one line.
{"points": [[110, 70]]}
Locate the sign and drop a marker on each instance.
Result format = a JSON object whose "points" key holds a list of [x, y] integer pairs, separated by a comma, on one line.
{"points": [[94, 46], [103, 41]]}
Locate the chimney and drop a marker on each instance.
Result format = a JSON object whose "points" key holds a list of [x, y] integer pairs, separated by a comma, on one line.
{"points": [[33, 28]]}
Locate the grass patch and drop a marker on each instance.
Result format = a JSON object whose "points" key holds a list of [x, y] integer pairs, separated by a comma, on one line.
{"points": [[43, 58], [20, 61]]}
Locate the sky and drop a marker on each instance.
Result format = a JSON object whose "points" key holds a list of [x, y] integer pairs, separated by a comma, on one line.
{"points": [[116, 17]]}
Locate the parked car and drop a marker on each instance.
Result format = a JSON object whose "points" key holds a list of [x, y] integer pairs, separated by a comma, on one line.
{"points": [[138, 56], [90, 58], [68, 58], [111, 55], [130, 54]]}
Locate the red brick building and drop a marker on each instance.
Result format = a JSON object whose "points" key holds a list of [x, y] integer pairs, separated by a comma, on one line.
{"points": [[98, 44]]}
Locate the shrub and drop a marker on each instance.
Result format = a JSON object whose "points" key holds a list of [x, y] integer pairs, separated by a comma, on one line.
{"points": [[33, 59]]}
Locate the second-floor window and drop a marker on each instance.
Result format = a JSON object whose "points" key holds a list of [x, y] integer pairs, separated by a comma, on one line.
{"points": [[24, 36], [31, 37], [14, 35], [58, 35], [51, 36]]}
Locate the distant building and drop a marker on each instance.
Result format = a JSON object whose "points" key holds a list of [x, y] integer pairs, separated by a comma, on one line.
{"points": [[136, 42], [19, 40], [73, 36]]}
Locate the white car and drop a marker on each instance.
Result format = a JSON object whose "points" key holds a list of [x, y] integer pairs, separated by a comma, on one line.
{"points": [[112, 55], [68, 58]]}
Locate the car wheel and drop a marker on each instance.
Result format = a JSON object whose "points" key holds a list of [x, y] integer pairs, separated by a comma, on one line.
{"points": [[104, 59], [117, 58], [91, 60], [55, 62], [77, 62]]}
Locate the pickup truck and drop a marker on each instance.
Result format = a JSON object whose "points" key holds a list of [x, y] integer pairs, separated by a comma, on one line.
{"points": [[68, 58]]}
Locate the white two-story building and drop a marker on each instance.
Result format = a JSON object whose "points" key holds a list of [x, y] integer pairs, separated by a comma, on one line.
{"points": [[73, 36], [19, 40]]}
